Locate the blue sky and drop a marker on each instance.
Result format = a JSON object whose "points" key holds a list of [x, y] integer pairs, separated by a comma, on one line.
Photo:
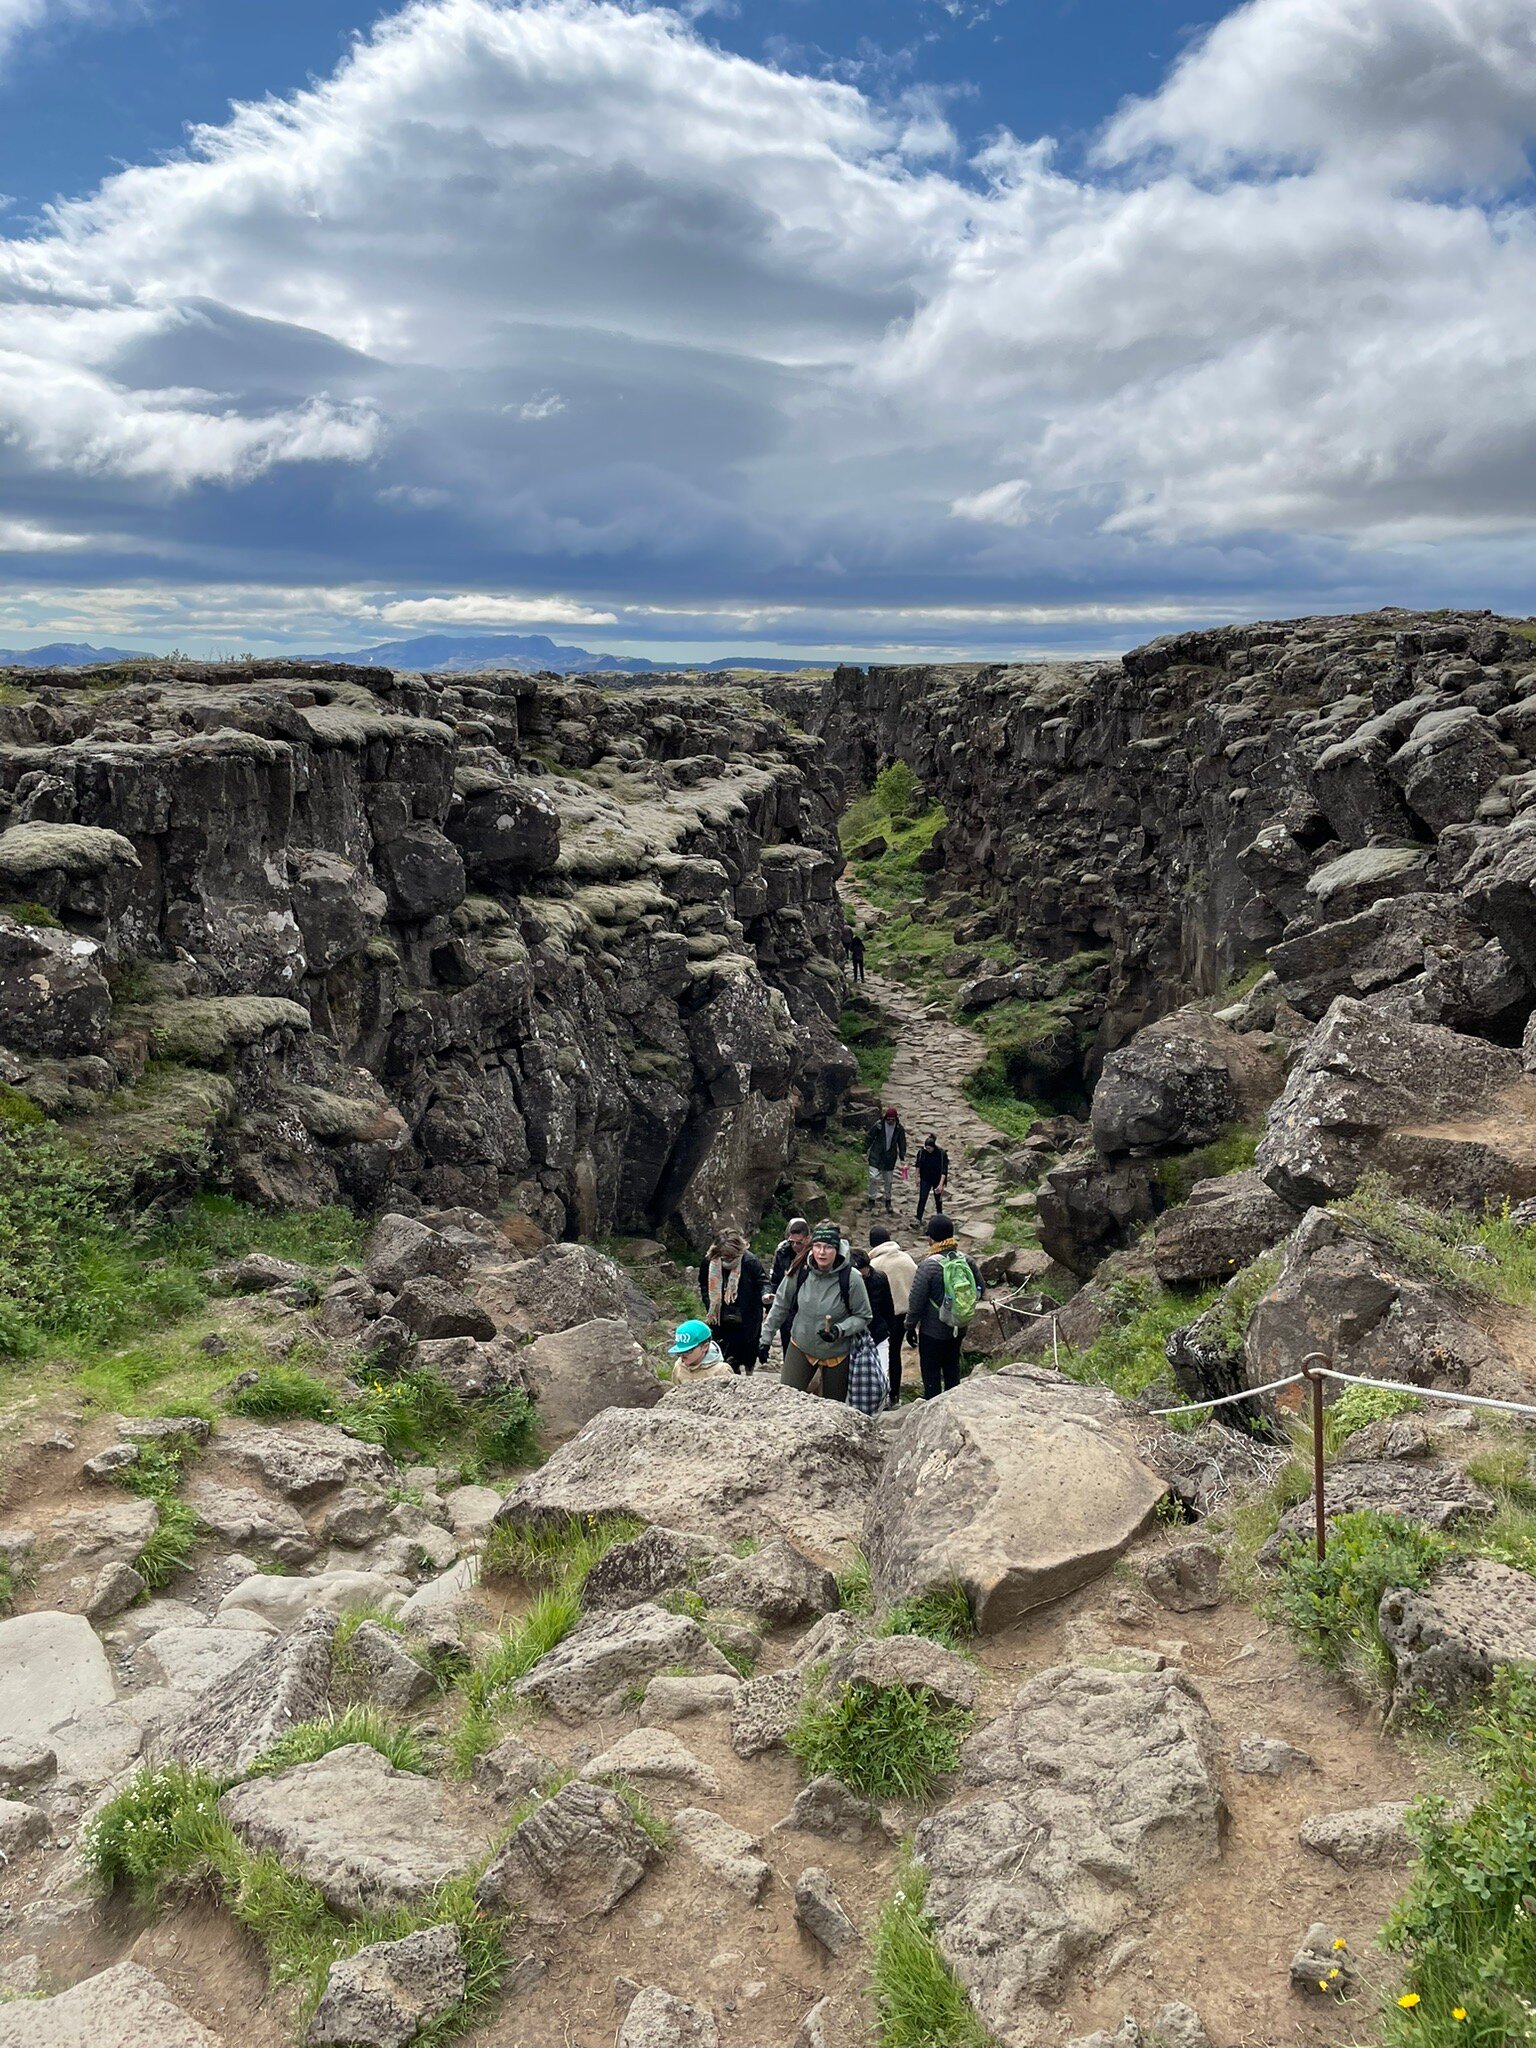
{"points": [[925, 326]]}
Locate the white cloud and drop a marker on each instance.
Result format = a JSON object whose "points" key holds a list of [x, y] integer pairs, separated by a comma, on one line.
{"points": [[559, 296], [471, 608], [22, 18]]}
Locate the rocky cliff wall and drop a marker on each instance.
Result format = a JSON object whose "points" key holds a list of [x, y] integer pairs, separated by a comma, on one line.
{"points": [[1173, 807], [491, 941]]}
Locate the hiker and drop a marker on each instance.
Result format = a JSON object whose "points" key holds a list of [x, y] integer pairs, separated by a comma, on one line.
{"points": [[824, 1305], [885, 1149], [696, 1356], [856, 953], [898, 1269], [882, 1307], [932, 1174], [793, 1250], [731, 1289], [944, 1294]]}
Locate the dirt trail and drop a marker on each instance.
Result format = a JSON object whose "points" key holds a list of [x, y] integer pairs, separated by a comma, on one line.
{"points": [[934, 1055]]}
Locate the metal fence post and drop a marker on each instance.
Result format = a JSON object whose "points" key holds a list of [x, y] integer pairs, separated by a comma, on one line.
{"points": [[1312, 1367]]}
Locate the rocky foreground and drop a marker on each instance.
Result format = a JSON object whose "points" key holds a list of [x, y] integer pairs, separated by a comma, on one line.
{"points": [[436, 1668]]}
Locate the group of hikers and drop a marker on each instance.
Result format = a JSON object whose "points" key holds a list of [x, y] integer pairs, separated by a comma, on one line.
{"points": [[841, 1315]]}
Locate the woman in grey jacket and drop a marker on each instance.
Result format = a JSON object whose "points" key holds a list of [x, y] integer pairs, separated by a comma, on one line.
{"points": [[826, 1305]]}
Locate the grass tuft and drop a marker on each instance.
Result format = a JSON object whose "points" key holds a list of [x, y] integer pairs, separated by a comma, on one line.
{"points": [[919, 2003], [544, 1553], [943, 1616], [854, 1592], [889, 1742], [486, 1686], [1330, 1607], [311, 1740], [1358, 1407]]}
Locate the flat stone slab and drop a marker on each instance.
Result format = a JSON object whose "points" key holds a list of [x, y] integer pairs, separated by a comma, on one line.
{"points": [[56, 1686], [367, 1836], [192, 1659], [598, 1666], [124, 2007], [1018, 1487], [304, 1460]]}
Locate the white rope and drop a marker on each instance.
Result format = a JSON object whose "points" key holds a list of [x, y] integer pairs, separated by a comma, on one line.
{"points": [[1429, 1393], [1248, 1394]]}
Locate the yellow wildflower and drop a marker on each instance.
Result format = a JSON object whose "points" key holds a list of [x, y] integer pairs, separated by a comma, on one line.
{"points": [[1409, 2000], [1458, 2012], [1341, 1942]]}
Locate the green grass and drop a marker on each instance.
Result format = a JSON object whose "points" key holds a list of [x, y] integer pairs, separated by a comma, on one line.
{"points": [[164, 1832], [1132, 1354], [545, 1553], [35, 914], [311, 1740], [81, 1269], [1488, 1255], [1330, 1607], [919, 2003], [285, 1393], [993, 1096], [944, 1616], [1465, 1925], [486, 1687], [156, 1474], [1232, 1152], [863, 1029], [414, 1416], [889, 1742], [854, 1592]]}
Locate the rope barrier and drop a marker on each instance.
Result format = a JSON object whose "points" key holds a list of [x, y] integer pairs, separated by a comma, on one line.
{"points": [[1430, 1393], [1226, 1400]]}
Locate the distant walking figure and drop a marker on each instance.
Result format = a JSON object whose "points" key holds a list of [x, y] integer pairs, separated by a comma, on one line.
{"points": [[932, 1174], [885, 1148], [856, 955]]}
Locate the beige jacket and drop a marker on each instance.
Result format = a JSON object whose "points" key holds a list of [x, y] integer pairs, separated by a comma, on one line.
{"points": [[899, 1267]]}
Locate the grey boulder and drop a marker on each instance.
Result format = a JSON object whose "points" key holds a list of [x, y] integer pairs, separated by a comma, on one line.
{"points": [[656, 2019], [124, 2007], [572, 1859], [385, 1995], [576, 1373], [600, 1663]]}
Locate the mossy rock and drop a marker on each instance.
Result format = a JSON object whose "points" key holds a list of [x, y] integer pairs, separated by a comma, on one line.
{"points": [[166, 1118], [206, 1029], [343, 1119], [30, 852]]}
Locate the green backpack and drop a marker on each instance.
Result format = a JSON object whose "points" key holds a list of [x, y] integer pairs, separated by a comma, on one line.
{"points": [[960, 1292]]}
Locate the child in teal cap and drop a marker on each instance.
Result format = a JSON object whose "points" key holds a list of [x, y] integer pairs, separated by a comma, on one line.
{"points": [[696, 1356]]}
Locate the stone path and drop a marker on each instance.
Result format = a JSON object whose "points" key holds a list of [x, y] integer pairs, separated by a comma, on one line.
{"points": [[933, 1057]]}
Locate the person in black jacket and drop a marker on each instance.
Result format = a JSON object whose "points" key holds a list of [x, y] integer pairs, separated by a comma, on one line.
{"points": [[938, 1342], [883, 1320], [731, 1289], [932, 1174], [794, 1246], [856, 954]]}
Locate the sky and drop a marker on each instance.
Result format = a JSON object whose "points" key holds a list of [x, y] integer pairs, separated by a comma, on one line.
{"points": [[893, 328]]}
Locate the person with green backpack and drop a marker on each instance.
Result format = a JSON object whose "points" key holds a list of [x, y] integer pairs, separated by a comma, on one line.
{"points": [[945, 1291]]}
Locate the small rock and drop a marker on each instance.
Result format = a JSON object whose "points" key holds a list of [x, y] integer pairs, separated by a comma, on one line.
{"points": [[24, 1764], [828, 1807], [681, 1699], [725, 1852], [656, 1561], [1265, 1756], [910, 1661], [650, 1753], [764, 1712], [258, 1273], [20, 1827], [471, 1509], [431, 1307], [388, 1993], [595, 1668], [108, 1463], [117, 1587], [1363, 1836], [159, 1429], [512, 1772], [830, 2023], [356, 1517], [1177, 2025], [574, 1857], [1323, 1967], [1185, 1577], [820, 1913], [777, 1582], [395, 1679], [658, 2020]]}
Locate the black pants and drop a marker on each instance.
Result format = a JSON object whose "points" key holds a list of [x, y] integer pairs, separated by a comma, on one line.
{"points": [[858, 968], [939, 1358], [928, 1191], [893, 1364], [738, 1346]]}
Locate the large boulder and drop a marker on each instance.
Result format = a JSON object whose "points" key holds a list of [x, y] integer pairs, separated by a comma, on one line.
{"points": [[304, 1460], [1018, 1487], [1350, 1295], [54, 998], [124, 2007], [562, 1285], [572, 1859], [1181, 1082], [575, 1374], [239, 1715], [367, 1836], [1223, 1225], [1448, 1638], [1448, 764], [1088, 1206], [1098, 1802], [723, 1459], [1443, 1114], [1376, 948]]}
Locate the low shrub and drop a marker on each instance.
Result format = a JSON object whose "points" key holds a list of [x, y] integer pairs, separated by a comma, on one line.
{"points": [[169, 1549], [485, 1687], [1330, 1606], [1232, 1152], [888, 1742], [944, 1616], [919, 2003], [1132, 1355], [1358, 1407], [163, 1825], [1466, 1925]]}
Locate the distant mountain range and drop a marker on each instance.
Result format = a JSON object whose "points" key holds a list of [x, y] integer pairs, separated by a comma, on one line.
{"points": [[434, 654]]}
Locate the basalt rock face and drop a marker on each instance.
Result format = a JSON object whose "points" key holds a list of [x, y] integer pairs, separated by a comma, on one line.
{"points": [[490, 941], [1351, 800]]}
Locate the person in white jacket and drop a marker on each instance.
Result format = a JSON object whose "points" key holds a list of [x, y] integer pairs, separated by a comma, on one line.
{"points": [[900, 1269]]}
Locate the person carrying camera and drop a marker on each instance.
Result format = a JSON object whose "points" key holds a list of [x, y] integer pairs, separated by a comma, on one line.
{"points": [[824, 1305]]}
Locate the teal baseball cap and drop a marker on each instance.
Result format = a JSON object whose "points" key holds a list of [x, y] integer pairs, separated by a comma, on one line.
{"points": [[689, 1337]]}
